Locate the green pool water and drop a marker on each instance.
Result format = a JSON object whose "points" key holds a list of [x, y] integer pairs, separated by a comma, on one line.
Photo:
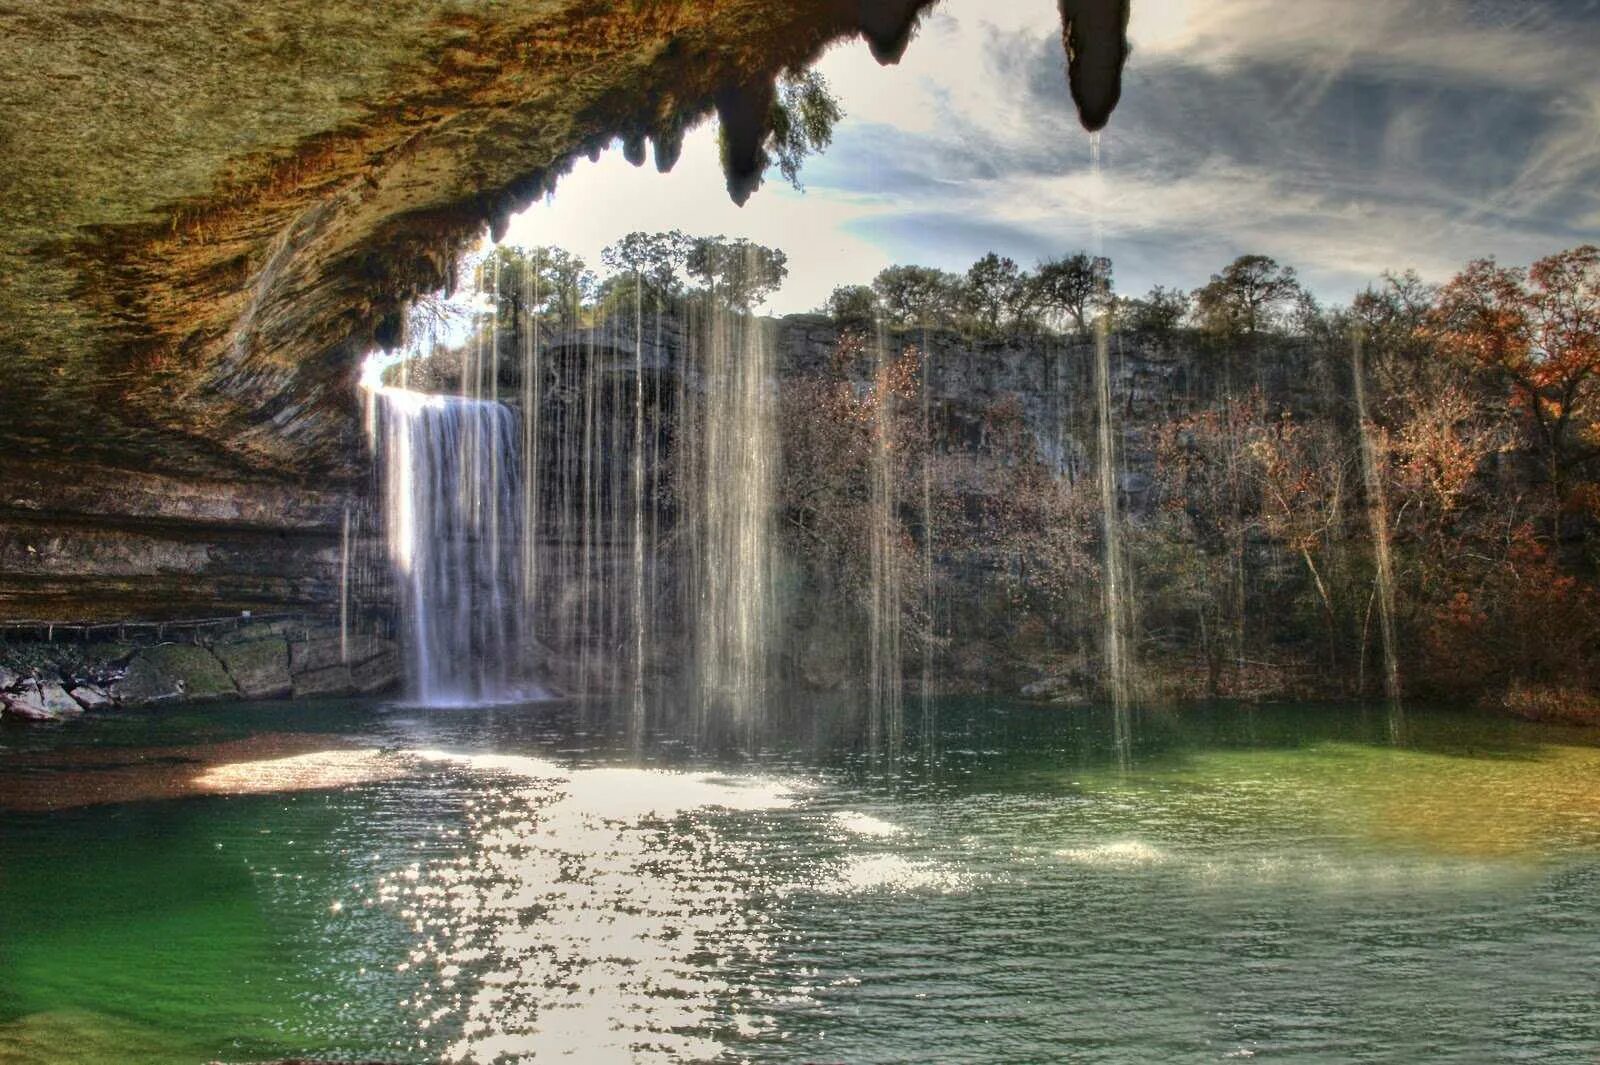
{"points": [[350, 881]]}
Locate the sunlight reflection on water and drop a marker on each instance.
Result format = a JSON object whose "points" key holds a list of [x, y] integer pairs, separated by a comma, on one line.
{"points": [[303, 772], [596, 907]]}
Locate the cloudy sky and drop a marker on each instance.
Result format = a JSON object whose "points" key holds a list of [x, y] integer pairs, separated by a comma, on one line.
{"points": [[1344, 137]]}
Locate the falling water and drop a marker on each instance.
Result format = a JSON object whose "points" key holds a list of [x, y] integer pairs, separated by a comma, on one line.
{"points": [[533, 498], [885, 681], [736, 498], [452, 498], [638, 472], [1112, 577], [344, 587], [1112, 587], [929, 603], [1378, 516]]}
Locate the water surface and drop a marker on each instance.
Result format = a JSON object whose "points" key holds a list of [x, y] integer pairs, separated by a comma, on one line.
{"points": [[349, 880]]}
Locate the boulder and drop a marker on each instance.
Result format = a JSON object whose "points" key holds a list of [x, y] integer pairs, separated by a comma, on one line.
{"points": [[174, 673], [92, 697], [1064, 690], [334, 680], [260, 668], [57, 701], [380, 674], [26, 706], [324, 649]]}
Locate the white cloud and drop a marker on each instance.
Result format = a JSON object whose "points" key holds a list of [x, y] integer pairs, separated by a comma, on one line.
{"points": [[1406, 37], [1190, 181]]}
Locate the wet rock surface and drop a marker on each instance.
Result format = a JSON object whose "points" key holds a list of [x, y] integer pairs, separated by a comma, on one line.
{"points": [[174, 673], [92, 697], [260, 668], [44, 681], [27, 706]]}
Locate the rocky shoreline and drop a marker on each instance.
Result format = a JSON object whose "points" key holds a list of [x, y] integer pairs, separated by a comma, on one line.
{"points": [[55, 680]]}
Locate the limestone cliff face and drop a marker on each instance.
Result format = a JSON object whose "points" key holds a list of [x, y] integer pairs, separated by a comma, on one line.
{"points": [[82, 542], [1049, 378], [211, 210]]}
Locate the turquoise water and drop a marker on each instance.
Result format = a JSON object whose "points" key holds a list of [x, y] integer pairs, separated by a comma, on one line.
{"points": [[350, 881]]}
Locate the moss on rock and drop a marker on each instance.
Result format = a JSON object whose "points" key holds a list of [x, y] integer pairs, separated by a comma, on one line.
{"points": [[260, 668], [174, 673]]}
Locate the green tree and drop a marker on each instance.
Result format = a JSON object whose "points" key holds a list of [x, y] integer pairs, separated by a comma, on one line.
{"points": [[853, 304], [740, 271], [552, 283], [1159, 313], [1074, 286], [803, 116], [1246, 298], [917, 295], [656, 260], [995, 288]]}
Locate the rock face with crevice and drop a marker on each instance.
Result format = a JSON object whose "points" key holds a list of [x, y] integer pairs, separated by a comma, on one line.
{"points": [[213, 210]]}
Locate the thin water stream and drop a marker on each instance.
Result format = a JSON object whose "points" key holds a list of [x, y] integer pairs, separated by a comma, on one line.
{"points": [[1382, 548]]}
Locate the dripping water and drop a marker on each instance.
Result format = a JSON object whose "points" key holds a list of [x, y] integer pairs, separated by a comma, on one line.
{"points": [[1114, 590], [532, 438], [1378, 518], [929, 605], [344, 587], [735, 496], [637, 472], [884, 629]]}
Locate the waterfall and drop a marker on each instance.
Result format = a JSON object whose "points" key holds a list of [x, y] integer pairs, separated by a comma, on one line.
{"points": [[639, 476], [737, 482], [613, 500], [929, 602], [1113, 589], [453, 511], [1115, 593], [344, 587], [884, 653]]}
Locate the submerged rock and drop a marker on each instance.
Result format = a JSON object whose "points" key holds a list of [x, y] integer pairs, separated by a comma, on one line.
{"points": [[1060, 691]]}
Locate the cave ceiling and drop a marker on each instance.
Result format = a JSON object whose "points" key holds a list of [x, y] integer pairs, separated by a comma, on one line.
{"points": [[213, 209]]}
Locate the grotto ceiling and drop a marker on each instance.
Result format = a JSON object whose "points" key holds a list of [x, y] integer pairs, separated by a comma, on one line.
{"points": [[213, 209]]}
